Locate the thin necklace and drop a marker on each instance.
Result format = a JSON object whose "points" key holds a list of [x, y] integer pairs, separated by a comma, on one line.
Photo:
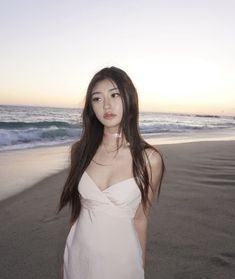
{"points": [[100, 164], [108, 152]]}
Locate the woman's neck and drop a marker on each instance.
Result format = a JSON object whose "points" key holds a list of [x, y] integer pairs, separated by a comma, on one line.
{"points": [[110, 139]]}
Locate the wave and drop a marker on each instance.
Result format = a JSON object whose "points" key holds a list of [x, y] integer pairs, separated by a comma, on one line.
{"points": [[42, 124], [36, 135], [207, 115], [21, 135]]}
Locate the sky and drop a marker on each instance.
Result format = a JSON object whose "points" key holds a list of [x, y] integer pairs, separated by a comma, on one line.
{"points": [[180, 55]]}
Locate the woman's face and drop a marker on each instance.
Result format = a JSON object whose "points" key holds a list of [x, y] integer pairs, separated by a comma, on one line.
{"points": [[107, 103]]}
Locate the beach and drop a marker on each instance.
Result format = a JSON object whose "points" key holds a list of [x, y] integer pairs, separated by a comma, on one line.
{"points": [[191, 227]]}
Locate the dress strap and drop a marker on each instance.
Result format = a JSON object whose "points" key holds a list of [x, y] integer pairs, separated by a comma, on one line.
{"points": [[151, 153], [149, 156]]}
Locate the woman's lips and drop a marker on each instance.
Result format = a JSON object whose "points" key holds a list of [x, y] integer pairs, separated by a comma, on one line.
{"points": [[109, 115]]}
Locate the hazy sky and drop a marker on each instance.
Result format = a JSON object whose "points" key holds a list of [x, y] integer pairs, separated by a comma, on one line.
{"points": [[179, 54]]}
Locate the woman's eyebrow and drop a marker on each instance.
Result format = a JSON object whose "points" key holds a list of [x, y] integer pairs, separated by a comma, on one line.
{"points": [[100, 92]]}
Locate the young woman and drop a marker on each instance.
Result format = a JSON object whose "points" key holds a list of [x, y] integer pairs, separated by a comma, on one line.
{"points": [[113, 178]]}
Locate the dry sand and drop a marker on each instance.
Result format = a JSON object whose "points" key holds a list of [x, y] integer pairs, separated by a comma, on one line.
{"points": [[191, 231]]}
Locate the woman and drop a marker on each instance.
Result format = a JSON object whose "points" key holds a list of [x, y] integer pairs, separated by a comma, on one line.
{"points": [[113, 178]]}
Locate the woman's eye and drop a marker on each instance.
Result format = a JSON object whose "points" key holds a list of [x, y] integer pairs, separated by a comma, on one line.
{"points": [[95, 99], [115, 94]]}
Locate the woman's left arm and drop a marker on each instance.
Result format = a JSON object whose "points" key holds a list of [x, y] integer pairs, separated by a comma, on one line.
{"points": [[141, 218]]}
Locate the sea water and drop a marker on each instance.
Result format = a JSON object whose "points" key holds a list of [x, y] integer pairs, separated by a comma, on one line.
{"points": [[23, 127]]}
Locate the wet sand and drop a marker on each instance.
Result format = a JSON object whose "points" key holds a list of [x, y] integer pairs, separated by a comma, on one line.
{"points": [[191, 230]]}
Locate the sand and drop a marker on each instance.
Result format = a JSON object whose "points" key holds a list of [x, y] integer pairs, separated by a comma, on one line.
{"points": [[191, 229], [20, 169]]}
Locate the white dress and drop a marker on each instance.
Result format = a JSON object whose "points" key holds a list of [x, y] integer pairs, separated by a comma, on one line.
{"points": [[103, 242]]}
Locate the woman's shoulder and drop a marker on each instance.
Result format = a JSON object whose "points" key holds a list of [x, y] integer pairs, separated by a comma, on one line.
{"points": [[155, 166], [154, 156]]}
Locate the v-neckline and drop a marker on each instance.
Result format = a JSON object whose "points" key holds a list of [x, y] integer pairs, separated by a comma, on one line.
{"points": [[112, 185]]}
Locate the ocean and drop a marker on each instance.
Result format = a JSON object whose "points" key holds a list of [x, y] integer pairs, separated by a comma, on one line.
{"points": [[23, 127]]}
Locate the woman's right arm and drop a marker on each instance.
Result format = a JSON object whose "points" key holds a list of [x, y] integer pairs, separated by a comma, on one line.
{"points": [[62, 264], [62, 270]]}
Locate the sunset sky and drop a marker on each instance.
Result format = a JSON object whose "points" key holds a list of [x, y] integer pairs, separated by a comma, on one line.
{"points": [[179, 54]]}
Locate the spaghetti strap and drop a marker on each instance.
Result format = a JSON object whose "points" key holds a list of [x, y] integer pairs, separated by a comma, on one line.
{"points": [[149, 156], [151, 153]]}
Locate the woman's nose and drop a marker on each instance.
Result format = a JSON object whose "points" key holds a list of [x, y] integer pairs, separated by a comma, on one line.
{"points": [[106, 103]]}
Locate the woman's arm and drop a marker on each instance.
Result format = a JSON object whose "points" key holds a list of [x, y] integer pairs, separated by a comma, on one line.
{"points": [[62, 270], [62, 262], [140, 219]]}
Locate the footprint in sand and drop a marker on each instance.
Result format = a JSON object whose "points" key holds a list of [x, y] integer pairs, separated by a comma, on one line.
{"points": [[223, 259]]}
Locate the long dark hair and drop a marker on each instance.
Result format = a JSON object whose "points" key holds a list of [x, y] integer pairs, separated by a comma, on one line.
{"points": [[84, 149]]}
